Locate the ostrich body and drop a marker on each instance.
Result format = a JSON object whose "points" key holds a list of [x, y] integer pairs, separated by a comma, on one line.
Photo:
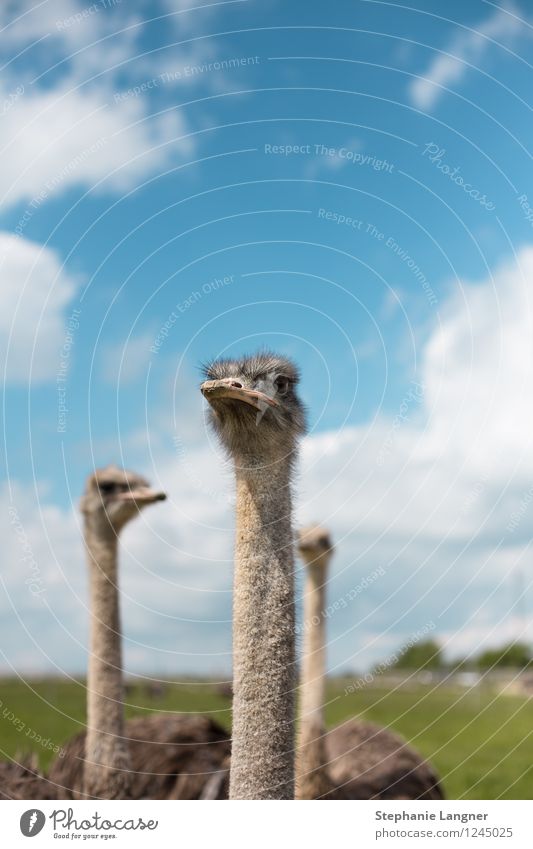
{"points": [[171, 757], [21, 779], [151, 757], [258, 418], [356, 760]]}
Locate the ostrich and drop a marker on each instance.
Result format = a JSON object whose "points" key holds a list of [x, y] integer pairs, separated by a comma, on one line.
{"points": [[356, 760], [258, 418], [20, 778], [157, 756]]}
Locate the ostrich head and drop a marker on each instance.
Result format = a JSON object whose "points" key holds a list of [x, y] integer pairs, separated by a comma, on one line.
{"points": [[113, 496], [314, 544], [254, 406]]}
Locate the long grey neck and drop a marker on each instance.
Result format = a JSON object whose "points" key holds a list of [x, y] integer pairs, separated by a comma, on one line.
{"points": [[311, 771], [107, 756], [262, 757]]}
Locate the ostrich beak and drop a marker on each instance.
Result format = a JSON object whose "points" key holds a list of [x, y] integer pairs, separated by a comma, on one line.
{"points": [[214, 390], [143, 495]]}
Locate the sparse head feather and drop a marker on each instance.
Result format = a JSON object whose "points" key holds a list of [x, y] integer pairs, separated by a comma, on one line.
{"points": [[251, 367], [255, 410], [116, 475]]}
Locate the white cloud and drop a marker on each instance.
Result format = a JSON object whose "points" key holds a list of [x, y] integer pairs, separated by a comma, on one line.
{"points": [[22, 23], [431, 498], [479, 373], [427, 496], [72, 30], [39, 541], [73, 118], [63, 138], [467, 49], [66, 127], [36, 290]]}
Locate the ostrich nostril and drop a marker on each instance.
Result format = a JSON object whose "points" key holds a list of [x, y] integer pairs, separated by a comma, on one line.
{"points": [[236, 384]]}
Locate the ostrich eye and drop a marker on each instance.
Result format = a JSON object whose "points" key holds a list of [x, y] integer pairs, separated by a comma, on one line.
{"points": [[282, 384], [107, 488]]}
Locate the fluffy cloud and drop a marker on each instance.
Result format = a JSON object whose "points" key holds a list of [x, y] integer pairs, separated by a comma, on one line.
{"points": [[439, 496], [35, 292], [479, 371], [80, 112], [467, 49], [62, 138], [73, 128]]}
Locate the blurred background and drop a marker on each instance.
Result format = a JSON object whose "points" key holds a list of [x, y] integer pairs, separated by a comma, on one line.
{"points": [[349, 184]]}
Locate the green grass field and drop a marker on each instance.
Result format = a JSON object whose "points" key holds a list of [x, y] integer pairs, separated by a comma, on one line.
{"points": [[478, 741]]}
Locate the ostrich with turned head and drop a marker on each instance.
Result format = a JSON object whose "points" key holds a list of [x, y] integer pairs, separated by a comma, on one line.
{"points": [[158, 756]]}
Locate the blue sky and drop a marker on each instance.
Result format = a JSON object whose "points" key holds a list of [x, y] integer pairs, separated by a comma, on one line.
{"points": [[348, 184]]}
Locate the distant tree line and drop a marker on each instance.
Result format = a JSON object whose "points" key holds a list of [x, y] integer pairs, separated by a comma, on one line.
{"points": [[428, 655]]}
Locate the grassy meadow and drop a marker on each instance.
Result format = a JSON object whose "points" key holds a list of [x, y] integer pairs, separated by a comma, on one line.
{"points": [[478, 740]]}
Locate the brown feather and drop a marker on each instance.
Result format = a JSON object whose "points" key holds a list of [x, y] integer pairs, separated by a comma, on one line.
{"points": [[366, 761], [21, 779], [172, 757]]}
